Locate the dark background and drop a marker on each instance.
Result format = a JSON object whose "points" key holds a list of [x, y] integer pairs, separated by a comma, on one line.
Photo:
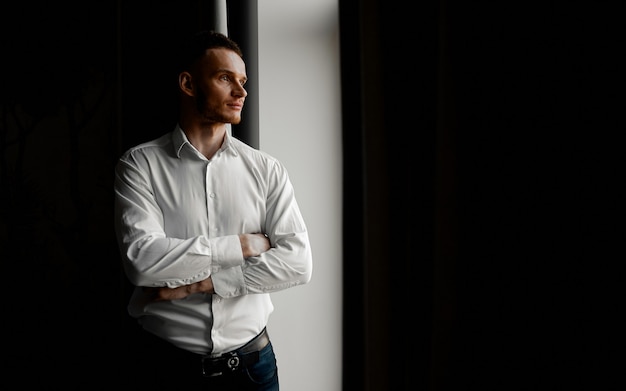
{"points": [[483, 188], [486, 135]]}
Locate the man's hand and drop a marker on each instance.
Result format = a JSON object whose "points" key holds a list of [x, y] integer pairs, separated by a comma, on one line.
{"points": [[165, 293], [254, 244]]}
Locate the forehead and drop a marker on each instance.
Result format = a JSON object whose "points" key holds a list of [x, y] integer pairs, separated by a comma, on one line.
{"points": [[216, 60]]}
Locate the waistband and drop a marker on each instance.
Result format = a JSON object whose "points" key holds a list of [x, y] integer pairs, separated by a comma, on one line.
{"points": [[232, 361]]}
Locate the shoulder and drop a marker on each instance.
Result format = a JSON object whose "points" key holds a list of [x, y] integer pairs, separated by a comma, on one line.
{"points": [[149, 149], [248, 152], [260, 162]]}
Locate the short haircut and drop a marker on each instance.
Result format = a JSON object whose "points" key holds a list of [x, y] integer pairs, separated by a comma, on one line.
{"points": [[196, 46]]}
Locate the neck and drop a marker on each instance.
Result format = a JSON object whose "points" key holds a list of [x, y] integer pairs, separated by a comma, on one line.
{"points": [[206, 139]]}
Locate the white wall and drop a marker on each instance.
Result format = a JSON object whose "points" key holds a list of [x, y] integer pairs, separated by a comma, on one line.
{"points": [[300, 123]]}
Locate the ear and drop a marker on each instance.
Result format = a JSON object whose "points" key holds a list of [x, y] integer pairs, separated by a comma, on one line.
{"points": [[185, 84]]}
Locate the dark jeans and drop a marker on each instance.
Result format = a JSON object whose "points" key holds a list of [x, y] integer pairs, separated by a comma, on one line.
{"points": [[157, 365], [261, 376]]}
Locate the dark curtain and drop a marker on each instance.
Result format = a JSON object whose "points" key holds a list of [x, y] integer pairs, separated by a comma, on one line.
{"points": [[482, 178], [79, 84], [58, 143]]}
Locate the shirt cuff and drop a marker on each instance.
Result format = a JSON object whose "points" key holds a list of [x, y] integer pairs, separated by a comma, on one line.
{"points": [[225, 253], [229, 283]]}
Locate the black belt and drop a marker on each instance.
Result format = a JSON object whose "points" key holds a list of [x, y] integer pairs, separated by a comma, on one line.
{"points": [[230, 362]]}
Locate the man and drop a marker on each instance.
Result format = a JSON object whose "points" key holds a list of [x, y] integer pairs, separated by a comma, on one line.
{"points": [[207, 228]]}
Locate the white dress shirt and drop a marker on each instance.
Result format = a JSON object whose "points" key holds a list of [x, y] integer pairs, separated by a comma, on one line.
{"points": [[177, 220]]}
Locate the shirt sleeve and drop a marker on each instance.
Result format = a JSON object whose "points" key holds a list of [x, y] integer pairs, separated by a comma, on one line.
{"points": [[148, 256], [289, 261]]}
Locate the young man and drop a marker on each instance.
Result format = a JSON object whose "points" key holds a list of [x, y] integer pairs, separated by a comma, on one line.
{"points": [[208, 227]]}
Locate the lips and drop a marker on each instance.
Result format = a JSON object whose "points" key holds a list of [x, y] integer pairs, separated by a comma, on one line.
{"points": [[236, 106]]}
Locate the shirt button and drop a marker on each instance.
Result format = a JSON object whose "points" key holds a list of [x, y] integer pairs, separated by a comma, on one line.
{"points": [[212, 195]]}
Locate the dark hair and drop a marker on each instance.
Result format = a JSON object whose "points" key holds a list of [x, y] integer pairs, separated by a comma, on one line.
{"points": [[196, 46]]}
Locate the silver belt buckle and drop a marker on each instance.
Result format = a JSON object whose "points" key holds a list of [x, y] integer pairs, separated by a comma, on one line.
{"points": [[233, 362]]}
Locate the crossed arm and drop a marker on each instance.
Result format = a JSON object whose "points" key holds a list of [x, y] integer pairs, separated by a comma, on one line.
{"points": [[251, 245]]}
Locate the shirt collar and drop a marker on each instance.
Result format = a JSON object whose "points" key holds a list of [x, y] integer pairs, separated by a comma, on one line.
{"points": [[179, 140]]}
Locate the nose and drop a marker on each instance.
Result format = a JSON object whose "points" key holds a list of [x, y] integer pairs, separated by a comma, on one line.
{"points": [[240, 91]]}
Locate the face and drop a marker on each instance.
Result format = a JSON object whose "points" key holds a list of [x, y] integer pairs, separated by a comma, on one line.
{"points": [[218, 86]]}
